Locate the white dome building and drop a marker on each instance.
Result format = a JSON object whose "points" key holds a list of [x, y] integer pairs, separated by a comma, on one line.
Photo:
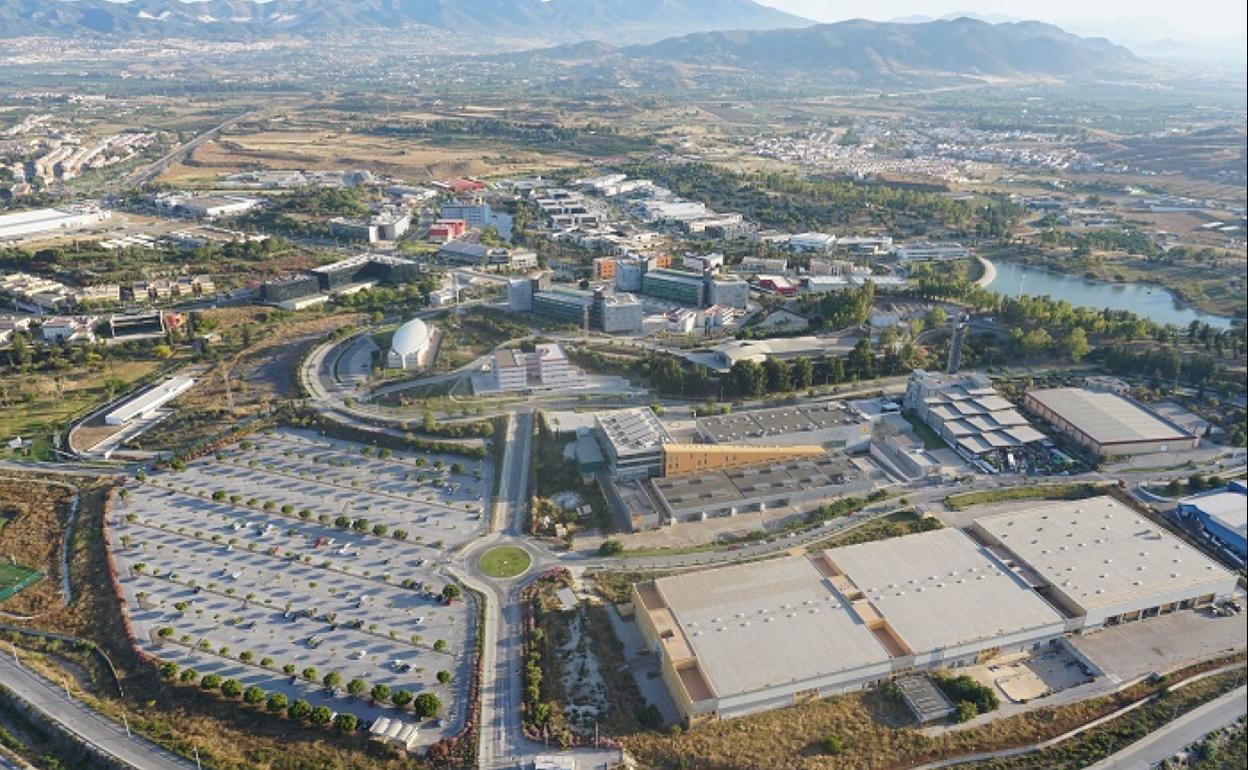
{"points": [[408, 345]]}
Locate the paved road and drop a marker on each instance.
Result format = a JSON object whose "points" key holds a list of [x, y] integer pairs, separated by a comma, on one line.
{"points": [[1164, 743], [84, 723], [151, 171]]}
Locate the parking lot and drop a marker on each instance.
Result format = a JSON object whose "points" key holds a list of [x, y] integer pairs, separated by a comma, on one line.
{"points": [[1162, 643], [292, 552]]}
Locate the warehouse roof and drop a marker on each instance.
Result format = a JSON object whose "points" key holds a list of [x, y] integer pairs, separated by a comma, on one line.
{"points": [[1228, 507], [1107, 418], [941, 589], [1101, 553], [769, 623]]}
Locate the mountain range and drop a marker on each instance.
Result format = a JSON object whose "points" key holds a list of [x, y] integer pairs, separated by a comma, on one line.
{"points": [[875, 49], [545, 22]]}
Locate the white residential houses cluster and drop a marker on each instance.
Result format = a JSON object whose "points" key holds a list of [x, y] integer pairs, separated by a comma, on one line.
{"points": [[67, 159]]}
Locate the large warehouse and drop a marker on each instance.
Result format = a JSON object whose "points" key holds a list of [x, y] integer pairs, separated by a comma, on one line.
{"points": [[1103, 562], [1108, 424], [752, 637], [25, 224], [831, 424]]}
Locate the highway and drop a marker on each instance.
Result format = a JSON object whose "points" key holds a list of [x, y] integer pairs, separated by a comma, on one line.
{"points": [[1169, 740], [84, 723], [156, 168]]}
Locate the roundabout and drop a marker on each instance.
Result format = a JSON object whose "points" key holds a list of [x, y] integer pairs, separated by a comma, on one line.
{"points": [[505, 561]]}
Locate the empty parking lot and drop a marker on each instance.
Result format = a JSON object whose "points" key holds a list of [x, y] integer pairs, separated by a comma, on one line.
{"points": [[291, 556]]}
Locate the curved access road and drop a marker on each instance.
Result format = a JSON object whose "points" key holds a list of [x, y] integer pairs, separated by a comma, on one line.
{"points": [[84, 724]]}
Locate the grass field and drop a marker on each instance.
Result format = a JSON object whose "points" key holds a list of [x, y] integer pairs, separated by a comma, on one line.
{"points": [[14, 577], [505, 562], [39, 403]]}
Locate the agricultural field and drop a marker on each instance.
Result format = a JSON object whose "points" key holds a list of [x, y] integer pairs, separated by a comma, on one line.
{"points": [[302, 566], [324, 145]]}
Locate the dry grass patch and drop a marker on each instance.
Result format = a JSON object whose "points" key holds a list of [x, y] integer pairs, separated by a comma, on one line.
{"points": [[35, 513]]}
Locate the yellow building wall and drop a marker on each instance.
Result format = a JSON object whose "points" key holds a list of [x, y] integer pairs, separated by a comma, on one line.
{"points": [[684, 459]]}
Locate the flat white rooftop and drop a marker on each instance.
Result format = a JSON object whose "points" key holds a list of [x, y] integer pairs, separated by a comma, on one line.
{"points": [[941, 589], [1107, 418], [1230, 509], [1100, 553], [765, 624]]}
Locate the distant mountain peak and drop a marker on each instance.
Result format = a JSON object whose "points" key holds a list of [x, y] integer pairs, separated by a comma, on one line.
{"points": [[545, 21]]}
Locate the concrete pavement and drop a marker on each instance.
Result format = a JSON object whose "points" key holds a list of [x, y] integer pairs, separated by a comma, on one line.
{"points": [[84, 723]]}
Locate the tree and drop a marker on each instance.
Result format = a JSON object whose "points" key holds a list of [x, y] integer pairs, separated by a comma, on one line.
{"points": [[935, 318], [276, 703], [450, 592], [210, 681], [309, 674], [231, 688], [964, 711], [380, 693], [426, 705], [188, 675], [332, 680], [346, 723], [321, 715], [253, 695], [357, 687], [778, 379], [300, 710], [444, 677], [610, 547], [168, 670], [402, 698], [862, 359], [747, 378], [1075, 345], [834, 745], [803, 373]]}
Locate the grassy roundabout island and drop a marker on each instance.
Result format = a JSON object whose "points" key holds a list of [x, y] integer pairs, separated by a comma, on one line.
{"points": [[505, 561]]}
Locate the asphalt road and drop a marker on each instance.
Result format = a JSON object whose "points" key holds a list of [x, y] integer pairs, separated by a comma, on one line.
{"points": [[1164, 743], [84, 723]]}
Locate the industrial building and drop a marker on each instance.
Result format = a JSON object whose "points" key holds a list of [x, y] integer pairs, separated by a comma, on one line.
{"points": [[765, 479], [687, 459], [1222, 514], [473, 213], [911, 252], [1102, 562], [632, 440], [445, 230], [1107, 424], [386, 225], [545, 368], [818, 242], [747, 638], [208, 207], [409, 345], [25, 224], [613, 313], [832, 425], [968, 414], [146, 404], [677, 286]]}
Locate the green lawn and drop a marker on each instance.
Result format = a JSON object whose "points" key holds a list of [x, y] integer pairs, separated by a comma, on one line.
{"points": [[15, 577], [505, 561]]}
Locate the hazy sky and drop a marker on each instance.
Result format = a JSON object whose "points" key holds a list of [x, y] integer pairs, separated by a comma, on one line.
{"points": [[1132, 18]]}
